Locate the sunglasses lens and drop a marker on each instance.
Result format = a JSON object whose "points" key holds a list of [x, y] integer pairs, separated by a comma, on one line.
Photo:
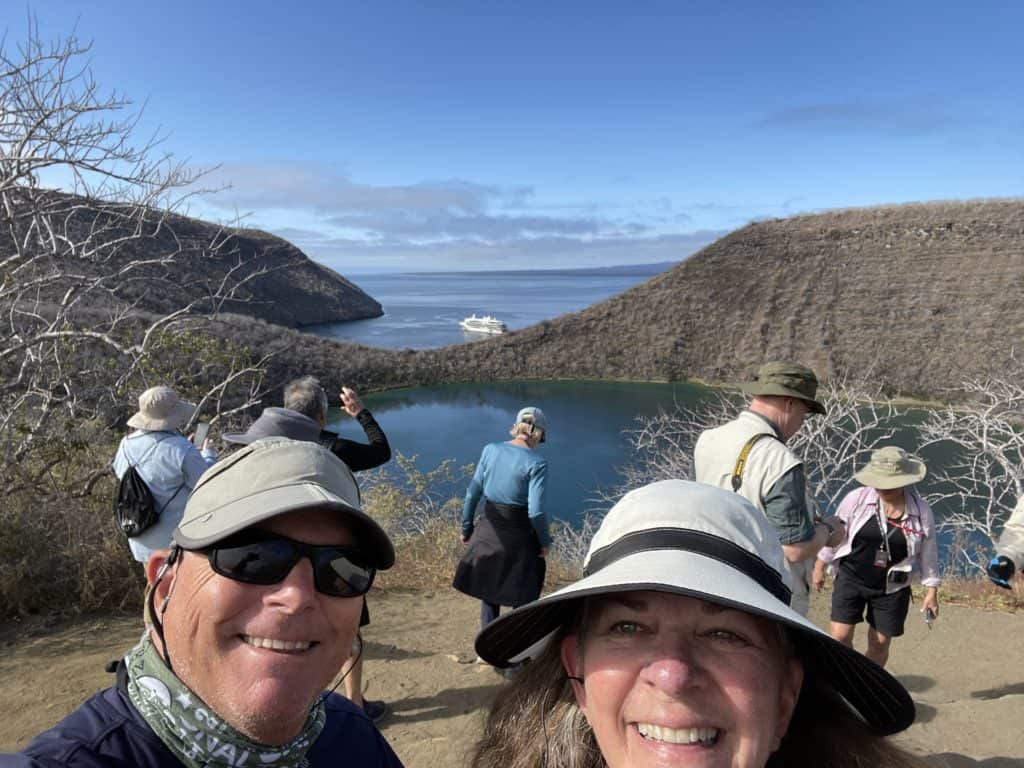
{"points": [[260, 562], [337, 574]]}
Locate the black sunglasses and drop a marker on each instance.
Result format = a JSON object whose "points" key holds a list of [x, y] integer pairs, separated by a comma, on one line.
{"points": [[263, 558]]}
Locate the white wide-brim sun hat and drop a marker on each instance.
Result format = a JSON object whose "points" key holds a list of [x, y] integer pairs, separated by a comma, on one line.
{"points": [[700, 541]]}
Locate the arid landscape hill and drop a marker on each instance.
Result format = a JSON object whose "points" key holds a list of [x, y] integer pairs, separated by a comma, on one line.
{"points": [[917, 295], [161, 261]]}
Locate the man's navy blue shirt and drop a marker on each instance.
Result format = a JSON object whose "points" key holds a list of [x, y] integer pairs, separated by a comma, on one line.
{"points": [[108, 731]]}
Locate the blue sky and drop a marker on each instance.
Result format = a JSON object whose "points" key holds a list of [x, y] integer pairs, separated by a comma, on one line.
{"points": [[466, 135]]}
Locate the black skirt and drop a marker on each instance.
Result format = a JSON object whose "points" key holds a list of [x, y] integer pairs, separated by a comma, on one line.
{"points": [[502, 563]]}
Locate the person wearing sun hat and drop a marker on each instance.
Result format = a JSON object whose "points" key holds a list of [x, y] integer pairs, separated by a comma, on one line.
{"points": [[254, 608], [167, 461], [890, 530], [678, 646], [749, 455]]}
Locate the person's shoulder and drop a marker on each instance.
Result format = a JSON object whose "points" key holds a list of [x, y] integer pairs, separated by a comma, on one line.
{"points": [[349, 729], [104, 731]]}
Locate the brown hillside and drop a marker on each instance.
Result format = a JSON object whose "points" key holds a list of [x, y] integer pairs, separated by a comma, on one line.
{"points": [[184, 259], [919, 294]]}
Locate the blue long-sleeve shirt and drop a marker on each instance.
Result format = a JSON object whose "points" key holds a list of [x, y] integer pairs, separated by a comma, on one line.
{"points": [[510, 474]]}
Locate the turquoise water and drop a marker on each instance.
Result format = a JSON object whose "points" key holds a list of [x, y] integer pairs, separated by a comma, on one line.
{"points": [[585, 444]]}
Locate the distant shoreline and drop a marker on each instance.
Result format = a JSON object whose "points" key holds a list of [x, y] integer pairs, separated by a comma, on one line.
{"points": [[625, 270]]}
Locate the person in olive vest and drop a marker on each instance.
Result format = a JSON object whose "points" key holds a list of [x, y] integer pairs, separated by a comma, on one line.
{"points": [[749, 456]]}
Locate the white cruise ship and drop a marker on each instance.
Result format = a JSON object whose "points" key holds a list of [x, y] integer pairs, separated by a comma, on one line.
{"points": [[485, 324]]}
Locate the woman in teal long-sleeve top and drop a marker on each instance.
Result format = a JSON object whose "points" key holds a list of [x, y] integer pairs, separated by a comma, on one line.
{"points": [[504, 561]]}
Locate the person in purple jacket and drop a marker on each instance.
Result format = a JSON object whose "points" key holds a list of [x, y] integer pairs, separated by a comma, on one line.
{"points": [[254, 608]]}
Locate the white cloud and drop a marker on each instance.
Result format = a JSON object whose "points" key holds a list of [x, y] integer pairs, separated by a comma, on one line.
{"points": [[451, 223]]}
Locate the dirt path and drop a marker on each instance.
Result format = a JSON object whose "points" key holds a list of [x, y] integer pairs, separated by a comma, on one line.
{"points": [[967, 676]]}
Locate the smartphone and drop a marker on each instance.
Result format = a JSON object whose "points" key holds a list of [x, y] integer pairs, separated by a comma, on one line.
{"points": [[202, 431], [929, 617]]}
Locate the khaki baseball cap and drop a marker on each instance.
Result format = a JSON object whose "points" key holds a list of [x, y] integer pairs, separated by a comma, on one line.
{"points": [[784, 379], [271, 477]]}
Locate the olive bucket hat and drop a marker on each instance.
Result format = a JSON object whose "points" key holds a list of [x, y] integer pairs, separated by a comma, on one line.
{"points": [[784, 379], [891, 467]]}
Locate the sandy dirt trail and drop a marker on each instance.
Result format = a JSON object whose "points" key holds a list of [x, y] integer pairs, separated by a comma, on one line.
{"points": [[967, 676]]}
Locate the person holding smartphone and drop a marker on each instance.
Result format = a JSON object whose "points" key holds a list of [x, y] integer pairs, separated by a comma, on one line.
{"points": [[890, 529], [168, 462], [1009, 556]]}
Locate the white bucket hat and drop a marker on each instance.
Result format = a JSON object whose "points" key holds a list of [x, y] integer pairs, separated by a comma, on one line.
{"points": [[891, 467], [700, 541], [161, 409]]}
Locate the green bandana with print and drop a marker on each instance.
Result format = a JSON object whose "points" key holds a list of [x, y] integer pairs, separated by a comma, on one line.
{"points": [[193, 732]]}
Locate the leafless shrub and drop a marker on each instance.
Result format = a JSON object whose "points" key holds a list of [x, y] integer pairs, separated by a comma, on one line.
{"points": [[859, 419], [985, 437], [76, 347]]}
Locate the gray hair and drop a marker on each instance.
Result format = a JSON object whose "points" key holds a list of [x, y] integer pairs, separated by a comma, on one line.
{"points": [[306, 396]]}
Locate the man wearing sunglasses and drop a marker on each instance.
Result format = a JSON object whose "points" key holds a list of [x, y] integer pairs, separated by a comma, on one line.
{"points": [[254, 609]]}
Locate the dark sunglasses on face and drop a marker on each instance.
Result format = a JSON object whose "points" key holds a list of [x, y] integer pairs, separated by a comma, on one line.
{"points": [[259, 557]]}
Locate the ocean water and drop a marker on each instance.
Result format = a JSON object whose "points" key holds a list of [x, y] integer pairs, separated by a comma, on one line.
{"points": [[423, 310]]}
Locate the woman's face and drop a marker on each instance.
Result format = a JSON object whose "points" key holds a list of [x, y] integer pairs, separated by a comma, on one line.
{"points": [[671, 681]]}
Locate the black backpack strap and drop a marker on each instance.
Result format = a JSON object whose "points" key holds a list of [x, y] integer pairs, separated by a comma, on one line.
{"points": [[164, 505], [741, 461]]}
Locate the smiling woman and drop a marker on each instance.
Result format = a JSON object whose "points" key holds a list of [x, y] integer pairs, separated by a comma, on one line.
{"points": [[678, 648]]}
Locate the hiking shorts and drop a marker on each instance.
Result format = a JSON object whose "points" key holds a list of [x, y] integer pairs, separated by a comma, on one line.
{"points": [[885, 613]]}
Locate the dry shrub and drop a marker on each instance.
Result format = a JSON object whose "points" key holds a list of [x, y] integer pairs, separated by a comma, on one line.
{"points": [[60, 552], [979, 592]]}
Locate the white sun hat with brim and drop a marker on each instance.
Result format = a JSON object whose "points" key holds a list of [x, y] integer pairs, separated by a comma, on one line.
{"points": [[700, 541], [271, 477], [161, 409], [891, 467]]}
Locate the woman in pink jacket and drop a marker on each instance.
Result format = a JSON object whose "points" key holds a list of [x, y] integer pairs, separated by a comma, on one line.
{"points": [[889, 529]]}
